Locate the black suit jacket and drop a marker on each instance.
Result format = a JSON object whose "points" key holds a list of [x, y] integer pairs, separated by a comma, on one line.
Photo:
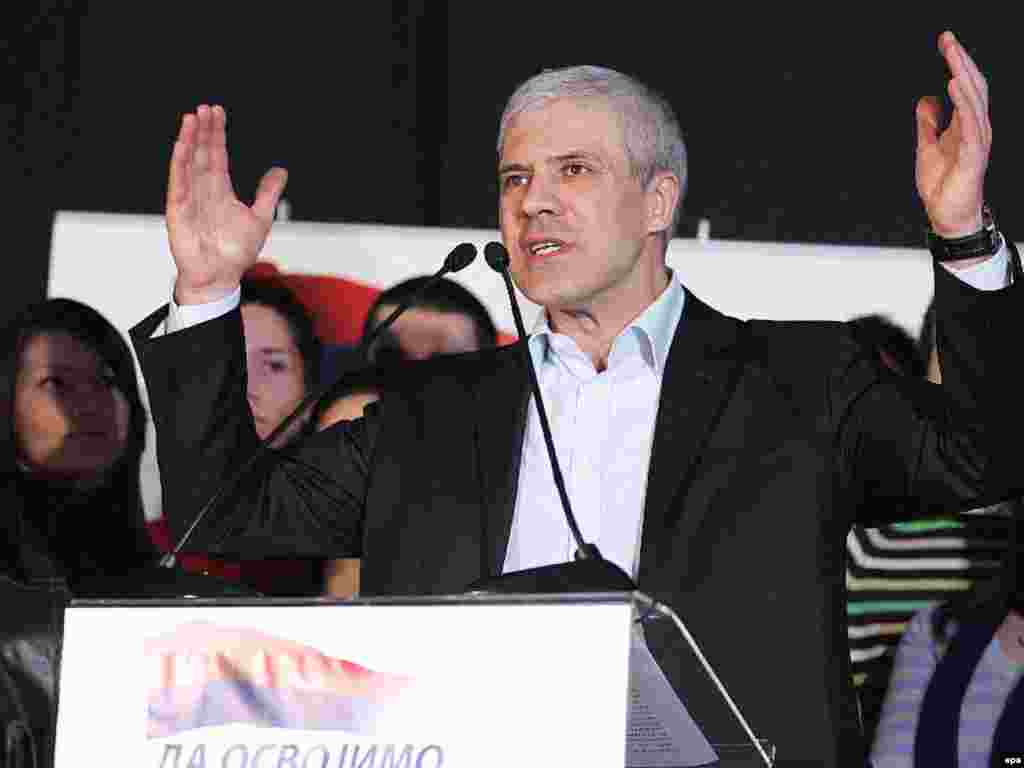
{"points": [[771, 439]]}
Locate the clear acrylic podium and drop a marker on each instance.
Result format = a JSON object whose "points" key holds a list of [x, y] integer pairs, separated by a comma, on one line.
{"points": [[510, 680]]}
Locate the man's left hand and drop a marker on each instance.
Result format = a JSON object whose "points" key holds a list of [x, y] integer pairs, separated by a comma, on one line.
{"points": [[951, 165]]}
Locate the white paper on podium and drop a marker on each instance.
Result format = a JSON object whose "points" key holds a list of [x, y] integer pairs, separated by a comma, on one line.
{"points": [[660, 732]]}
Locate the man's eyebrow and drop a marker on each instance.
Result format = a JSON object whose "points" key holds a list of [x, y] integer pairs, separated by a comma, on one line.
{"points": [[574, 154], [273, 350], [577, 154]]}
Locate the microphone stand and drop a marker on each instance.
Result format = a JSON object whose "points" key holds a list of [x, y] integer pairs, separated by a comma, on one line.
{"points": [[589, 572]]}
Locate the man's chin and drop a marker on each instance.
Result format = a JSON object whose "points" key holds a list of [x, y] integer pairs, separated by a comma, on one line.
{"points": [[556, 297], [547, 290]]}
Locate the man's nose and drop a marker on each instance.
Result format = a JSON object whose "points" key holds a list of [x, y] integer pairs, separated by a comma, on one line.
{"points": [[541, 196]]}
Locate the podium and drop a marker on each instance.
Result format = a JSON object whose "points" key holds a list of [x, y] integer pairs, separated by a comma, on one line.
{"points": [[424, 682]]}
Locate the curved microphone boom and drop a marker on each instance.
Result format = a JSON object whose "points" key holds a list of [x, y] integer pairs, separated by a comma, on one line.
{"points": [[460, 257], [590, 572], [498, 260]]}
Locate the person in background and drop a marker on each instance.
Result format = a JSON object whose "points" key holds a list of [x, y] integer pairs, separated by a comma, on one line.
{"points": [[72, 430], [896, 349], [283, 356], [71, 439], [956, 696], [894, 570], [446, 319]]}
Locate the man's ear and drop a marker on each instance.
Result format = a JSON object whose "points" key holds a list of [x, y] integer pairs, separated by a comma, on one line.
{"points": [[663, 192]]}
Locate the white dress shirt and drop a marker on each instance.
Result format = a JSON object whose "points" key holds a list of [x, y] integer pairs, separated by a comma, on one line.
{"points": [[602, 425], [603, 428]]}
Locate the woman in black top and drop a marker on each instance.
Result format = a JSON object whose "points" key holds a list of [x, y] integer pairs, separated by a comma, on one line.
{"points": [[72, 429]]}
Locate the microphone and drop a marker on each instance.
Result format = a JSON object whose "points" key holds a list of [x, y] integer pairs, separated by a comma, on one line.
{"points": [[458, 259], [590, 572], [496, 256], [462, 256]]}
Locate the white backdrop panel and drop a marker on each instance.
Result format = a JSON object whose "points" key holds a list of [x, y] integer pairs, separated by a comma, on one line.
{"points": [[121, 265]]}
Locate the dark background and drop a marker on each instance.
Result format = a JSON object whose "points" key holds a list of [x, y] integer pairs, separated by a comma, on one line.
{"points": [[800, 127]]}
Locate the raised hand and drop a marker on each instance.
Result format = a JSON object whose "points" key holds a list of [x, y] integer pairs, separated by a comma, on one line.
{"points": [[214, 237], [951, 164]]}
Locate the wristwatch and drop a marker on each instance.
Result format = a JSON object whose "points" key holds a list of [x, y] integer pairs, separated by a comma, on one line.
{"points": [[985, 242]]}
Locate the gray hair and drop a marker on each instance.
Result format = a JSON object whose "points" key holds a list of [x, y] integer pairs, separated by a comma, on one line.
{"points": [[653, 139]]}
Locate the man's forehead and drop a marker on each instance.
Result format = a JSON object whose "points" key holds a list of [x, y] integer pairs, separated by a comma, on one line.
{"points": [[563, 126]]}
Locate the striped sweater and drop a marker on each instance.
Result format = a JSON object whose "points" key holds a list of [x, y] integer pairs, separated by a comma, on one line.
{"points": [[893, 572]]}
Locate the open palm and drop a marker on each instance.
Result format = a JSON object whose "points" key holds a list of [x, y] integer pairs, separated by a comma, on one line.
{"points": [[951, 165], [214, 237]]}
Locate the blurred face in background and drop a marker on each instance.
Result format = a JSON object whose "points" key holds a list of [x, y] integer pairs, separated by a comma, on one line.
{"points": [[276, 375], [71, 420], [419, 334], [422, 333]]}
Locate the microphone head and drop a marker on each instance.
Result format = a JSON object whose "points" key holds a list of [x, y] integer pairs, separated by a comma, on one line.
{"points": [[497, 256], [460, 257]]}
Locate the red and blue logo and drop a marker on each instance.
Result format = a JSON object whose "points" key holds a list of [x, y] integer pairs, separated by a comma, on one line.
{"points": [[208, 675]]}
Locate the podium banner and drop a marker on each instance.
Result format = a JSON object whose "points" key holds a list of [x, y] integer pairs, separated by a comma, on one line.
{"points": [[366, 684]]}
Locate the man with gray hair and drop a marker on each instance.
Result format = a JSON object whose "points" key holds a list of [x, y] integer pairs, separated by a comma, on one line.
{"points": [[651, 134], [720, 462]]}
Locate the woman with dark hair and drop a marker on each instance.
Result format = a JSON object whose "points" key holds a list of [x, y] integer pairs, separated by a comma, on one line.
{"points": [[282, 366], [446, 319], [72, 429], [957, 690], [283, 354]]}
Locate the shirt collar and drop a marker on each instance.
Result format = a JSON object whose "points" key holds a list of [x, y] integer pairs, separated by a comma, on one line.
{"points": [[654, 328]]}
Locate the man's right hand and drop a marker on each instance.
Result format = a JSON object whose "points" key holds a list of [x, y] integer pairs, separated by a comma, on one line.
{"points": [[214, 237]]}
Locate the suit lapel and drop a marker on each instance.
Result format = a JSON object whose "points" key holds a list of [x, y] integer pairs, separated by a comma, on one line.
{"points": [[697, 382], [501, 400]]}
